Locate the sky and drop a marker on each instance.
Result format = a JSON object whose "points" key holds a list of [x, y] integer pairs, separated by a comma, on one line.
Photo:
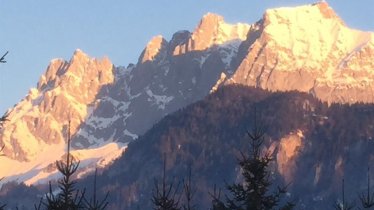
{"points": [[35, 32]]}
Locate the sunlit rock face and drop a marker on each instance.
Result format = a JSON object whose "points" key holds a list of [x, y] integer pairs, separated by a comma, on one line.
{"points": [[288, 149], [213, 30], [155, 49], [63, 93], [36, 133], [309, 49]]}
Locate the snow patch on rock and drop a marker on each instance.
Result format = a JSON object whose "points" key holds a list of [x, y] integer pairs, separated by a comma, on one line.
{"points": [[160, 100]]}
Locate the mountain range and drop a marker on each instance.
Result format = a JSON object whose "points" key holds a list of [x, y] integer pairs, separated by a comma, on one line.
{"points": [[113, 110]]}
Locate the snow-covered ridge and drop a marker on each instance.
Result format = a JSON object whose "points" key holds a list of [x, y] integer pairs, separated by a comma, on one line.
{"points": [[42, 169]]}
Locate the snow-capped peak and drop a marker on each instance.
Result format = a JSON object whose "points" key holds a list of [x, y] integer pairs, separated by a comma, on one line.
{"points": [[310, 32], [312, 13], [312, 49]]}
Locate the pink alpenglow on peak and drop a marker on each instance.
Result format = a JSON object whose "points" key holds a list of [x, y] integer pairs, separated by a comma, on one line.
{"points": [[213, 30], [155, 48]]}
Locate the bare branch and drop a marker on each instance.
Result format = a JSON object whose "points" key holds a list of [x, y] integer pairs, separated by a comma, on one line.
{"points": [[2, 59]]}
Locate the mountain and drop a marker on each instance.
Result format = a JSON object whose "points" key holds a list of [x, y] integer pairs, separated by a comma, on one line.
{"points": [[34, 137], [309, 49], [306, 48], [110, 106], [314, 146]]}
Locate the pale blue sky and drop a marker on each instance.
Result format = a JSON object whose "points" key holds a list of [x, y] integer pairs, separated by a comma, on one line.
{"points": [[37, 31]]}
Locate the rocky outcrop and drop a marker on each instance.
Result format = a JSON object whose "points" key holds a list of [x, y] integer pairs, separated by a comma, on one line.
{"points": [[156, 47], [309, 49], [211, 31], [35, 135], [64, 93]]}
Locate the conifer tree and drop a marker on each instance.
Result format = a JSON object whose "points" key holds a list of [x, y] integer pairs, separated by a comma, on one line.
{"points": [[93, 203], [343, 205], [165, 196], [188, 192], [217, 203], [255, 193], [367, 200], [69, 198]]}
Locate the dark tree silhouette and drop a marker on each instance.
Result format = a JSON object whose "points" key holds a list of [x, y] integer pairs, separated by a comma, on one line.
{"points": [[367, 200], [188, 192], [2, 59], [165, 196], [93, 203], [217, 204], [343, 205], [68, 198], [255, 193]]}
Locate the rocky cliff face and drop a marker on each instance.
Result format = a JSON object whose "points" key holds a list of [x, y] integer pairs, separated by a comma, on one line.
{"points": [[65, 92], [169, 75], [212, 31], [307, 48], [35, 135]]}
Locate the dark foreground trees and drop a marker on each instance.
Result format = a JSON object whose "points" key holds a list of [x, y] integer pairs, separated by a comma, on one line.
{"points": [[254, 193], [69, 197], [366, 199], [165, 195], [94, 203]]}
